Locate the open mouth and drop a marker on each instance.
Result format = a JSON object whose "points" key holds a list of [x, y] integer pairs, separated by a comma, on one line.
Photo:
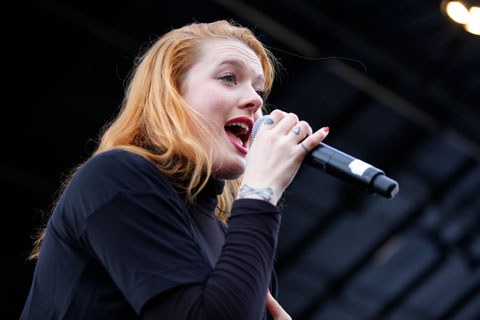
{"points": [[238, 131]]}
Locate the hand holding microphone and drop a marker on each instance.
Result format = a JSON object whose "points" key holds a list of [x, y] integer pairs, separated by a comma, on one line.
{"points": [[275, 156], [345, 167]]}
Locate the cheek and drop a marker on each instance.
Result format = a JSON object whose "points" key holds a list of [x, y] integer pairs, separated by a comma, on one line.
{"points": [[208, 101], [196, 94], [217, 106], [214, 102]]}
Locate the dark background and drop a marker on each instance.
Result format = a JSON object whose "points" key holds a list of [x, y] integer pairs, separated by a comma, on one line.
{"points": [[396, 81]]}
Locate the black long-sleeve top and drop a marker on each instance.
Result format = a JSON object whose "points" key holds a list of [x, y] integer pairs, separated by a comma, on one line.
{"points": [[122, 244]]}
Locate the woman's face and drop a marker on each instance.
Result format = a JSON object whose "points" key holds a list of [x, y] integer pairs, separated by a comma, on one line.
{"points": [[226, 86]]}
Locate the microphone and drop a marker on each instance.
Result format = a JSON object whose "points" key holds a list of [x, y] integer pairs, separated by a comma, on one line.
{"points": [[345, 167]]}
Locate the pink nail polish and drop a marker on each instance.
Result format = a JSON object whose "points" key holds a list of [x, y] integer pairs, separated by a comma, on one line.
{"points": [[326, 129]]}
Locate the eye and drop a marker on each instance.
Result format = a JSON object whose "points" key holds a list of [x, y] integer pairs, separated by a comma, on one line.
{"points": [[229, 78]]}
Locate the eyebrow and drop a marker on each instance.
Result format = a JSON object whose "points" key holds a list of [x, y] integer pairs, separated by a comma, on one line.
{"points": [[241, 65]]}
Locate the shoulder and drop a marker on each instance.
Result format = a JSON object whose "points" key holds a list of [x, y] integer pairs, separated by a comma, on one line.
{"points": [[122, 170], [107, 177], [116, 160], [116, 172]]}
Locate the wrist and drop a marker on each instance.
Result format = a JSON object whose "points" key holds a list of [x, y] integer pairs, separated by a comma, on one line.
{"points": [[268, 194]]}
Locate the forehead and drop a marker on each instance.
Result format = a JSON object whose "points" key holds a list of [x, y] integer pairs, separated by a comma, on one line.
{"points": [[215, 52]]}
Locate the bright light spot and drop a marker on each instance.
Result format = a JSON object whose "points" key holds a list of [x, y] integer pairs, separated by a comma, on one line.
{"points": [[457, 12], [473, 26]]}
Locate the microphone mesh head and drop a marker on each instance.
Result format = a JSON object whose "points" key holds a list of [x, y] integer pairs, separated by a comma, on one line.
{"points": [[257, 125]]}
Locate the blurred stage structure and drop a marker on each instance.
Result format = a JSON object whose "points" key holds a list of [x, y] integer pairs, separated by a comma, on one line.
{"points": [[397, 82]]}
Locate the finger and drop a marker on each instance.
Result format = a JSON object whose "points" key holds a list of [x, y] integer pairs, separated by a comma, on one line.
{"points": [[286, 124], [304, 148], [275, 309], [314, 139], [273, 119], [300, 131], [276, 115], [270, 122]]}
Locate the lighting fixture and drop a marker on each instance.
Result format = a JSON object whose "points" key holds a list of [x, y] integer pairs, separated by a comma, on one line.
{"points": [[465, 12]]}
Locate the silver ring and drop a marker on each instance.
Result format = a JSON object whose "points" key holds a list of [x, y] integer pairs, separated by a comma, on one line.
{"points": [[301, 143]]}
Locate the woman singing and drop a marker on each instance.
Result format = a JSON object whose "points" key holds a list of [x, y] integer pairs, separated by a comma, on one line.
{"points": [[140, 230]]}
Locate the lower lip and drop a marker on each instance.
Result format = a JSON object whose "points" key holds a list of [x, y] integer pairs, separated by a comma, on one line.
{"points": [[239, 147]]}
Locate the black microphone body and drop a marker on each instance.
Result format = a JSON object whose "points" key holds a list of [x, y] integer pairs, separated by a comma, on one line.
{"points": [[347, 168]]}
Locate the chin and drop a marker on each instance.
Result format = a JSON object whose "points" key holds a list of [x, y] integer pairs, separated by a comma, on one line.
{"points": [[230, 172]]}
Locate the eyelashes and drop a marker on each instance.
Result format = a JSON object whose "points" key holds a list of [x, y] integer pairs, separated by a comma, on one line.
{"points": [[232, 79]]}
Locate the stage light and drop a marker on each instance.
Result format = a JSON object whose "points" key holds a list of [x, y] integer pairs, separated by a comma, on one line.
{"points": [[457, 12], [465, 12], [474, 25]]}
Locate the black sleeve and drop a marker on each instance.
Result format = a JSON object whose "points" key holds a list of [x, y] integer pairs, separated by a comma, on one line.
{"points": [[236, 288]]}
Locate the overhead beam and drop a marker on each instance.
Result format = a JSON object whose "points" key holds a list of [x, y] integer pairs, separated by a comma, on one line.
{"points": [[357, 79]]}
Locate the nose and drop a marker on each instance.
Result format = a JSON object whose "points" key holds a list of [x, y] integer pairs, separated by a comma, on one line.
{"points": [[251, 100]]}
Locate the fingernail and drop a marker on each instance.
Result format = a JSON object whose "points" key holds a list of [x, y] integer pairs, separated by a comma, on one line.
{"points": [[326, 129]]}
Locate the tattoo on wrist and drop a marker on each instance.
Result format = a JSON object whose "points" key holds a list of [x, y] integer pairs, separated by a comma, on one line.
{"points": [[263, 193]]}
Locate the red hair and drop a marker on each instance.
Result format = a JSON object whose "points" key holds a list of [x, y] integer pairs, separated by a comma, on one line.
{"points": [[156, 122]]}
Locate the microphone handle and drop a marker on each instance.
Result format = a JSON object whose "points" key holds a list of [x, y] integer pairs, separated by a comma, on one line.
{"points": [[352, 170]]}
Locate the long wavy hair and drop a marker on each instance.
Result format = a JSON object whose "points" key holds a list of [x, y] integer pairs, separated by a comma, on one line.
{"points": [[156, 122]]}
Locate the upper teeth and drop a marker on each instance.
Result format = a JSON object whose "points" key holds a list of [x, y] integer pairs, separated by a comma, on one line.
{"points": [[240, 124]]}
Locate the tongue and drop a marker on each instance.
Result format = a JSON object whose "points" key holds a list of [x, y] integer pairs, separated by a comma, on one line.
{"points": [[234, 138]]}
